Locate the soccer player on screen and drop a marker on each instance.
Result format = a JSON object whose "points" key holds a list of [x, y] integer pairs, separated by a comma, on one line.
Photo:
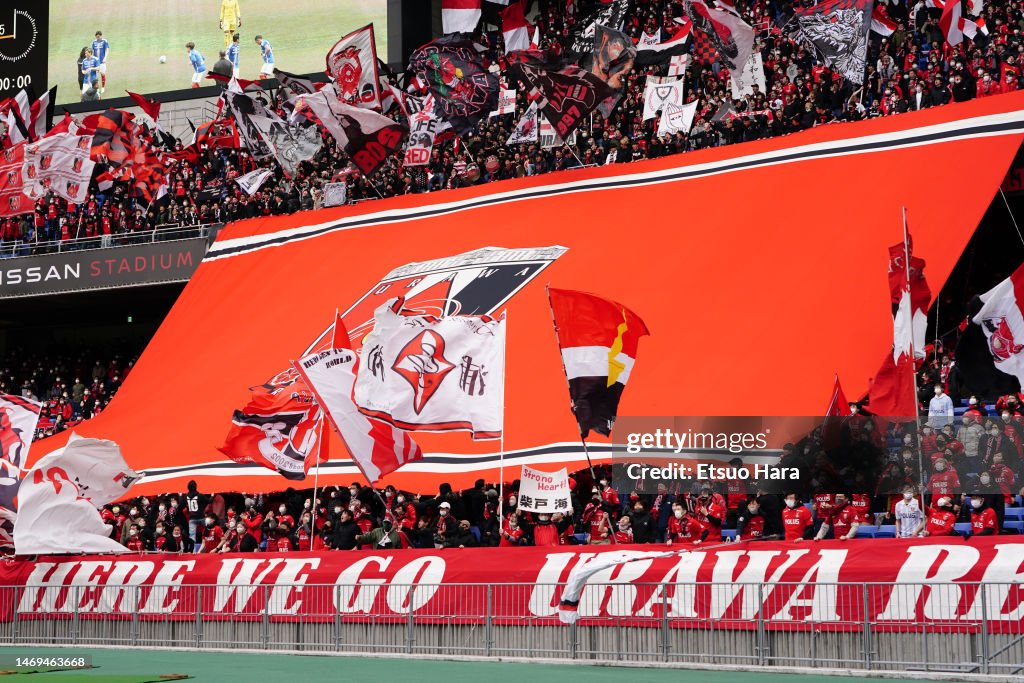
{"points": [[100, 50], [90, 72], [267, 70], [233, 53], [230, 19], [197, 62]]}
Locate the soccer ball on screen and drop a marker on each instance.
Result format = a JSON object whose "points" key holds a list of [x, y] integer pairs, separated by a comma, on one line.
{"points": [[163, 58]]}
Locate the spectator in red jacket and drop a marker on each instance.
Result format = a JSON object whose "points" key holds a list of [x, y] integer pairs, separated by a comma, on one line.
{"points": [[545, 533], [940, 519], [796, 519], [983, 518]]}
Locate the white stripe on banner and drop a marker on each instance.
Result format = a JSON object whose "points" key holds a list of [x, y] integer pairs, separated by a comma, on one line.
{"points": [[992, 125], [592, 361]]}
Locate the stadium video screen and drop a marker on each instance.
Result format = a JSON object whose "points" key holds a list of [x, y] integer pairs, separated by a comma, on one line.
{"points": [[142, 32]]}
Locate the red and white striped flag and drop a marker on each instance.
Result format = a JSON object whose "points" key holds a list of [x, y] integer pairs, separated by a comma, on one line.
{"points": [[377, 448], [460, 16], [30, 119], [514, 27], [881, 23], [951, 23]]}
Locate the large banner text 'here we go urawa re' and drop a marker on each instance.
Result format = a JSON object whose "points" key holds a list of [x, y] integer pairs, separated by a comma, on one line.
{"points": [[923, 584]]}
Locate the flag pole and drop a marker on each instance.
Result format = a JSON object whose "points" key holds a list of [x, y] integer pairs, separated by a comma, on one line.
{"points": [[501, 456], [316, 481], [572, 406], [913, 358]]}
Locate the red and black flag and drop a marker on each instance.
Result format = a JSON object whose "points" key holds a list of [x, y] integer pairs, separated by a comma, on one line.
{"points": [[150, 107], [730, 36], [837, 30], [127, 155], [454, 69], [566, 96], [598, 339]]}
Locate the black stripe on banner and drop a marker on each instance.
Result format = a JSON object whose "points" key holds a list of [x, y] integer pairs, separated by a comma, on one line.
{"points": [[683, 174]]}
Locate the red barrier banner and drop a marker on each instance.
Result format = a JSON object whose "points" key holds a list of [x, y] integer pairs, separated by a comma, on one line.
{"points": [[896, 584]]}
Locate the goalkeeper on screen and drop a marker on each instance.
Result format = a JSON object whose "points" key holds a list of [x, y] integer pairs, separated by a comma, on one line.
{"points": [[230, 19]]}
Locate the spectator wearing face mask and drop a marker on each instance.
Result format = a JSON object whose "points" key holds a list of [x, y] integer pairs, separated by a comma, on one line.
{"points": [[909, 515], [252, 520], [641, 523], [709, 509], [940, 519], [345, 531], [843, 520], [750, 523], [283, 517], [178, 542], [446, 525], [1012, 430], [983, 517], [684, 528], [544, 532], [212, 535], [490, 526], [511, 533], [463, 536], [596, 520], [995, 443], [661, 511], [563, 524], [134, 542], [940, 409], [407, 510], [797, 523], [969, 435], [944, 480], [384, 537], [281, 541], [1002, 476]]}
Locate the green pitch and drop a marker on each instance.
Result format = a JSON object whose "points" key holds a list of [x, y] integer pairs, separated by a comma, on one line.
{"points": [[140, 31]]}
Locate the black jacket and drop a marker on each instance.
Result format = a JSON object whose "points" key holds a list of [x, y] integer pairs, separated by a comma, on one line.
{"points": [[345, 535]]}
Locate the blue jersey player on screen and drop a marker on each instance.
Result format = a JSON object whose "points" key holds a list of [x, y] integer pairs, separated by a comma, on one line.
{"points": [[233, 53], [197, 62], [267, 70], [100, 50], [90, 73]]}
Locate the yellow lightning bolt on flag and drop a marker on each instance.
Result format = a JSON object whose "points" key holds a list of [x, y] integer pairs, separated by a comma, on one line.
{"points": [[616, 367]]}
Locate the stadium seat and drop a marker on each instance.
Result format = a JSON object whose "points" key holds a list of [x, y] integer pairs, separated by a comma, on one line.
{"points": [[962, 527], [886, 531], [1014, 514], [867, 531], [1017, 526], [580, 538], [728, 534], [476, 532]]}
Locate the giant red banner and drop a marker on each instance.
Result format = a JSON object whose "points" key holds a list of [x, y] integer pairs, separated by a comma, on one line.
{"points": [[830, 583]]}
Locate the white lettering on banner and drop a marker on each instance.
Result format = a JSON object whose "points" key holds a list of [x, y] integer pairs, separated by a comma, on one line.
{"points": [[45, 585], [958, 560], [617, 595], [240, 585], [119, 595], [681, 577], [170, 576], [821, 580], [358, 593], [1005, 569], [286, 598], [723, 596], [90, 574], [426, 572], [542, 597]]}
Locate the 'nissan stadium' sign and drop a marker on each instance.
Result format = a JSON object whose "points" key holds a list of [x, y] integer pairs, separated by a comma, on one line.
{"points": [[75, 271]]}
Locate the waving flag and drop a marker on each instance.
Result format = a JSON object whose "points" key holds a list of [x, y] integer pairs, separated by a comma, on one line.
{"points": [[951, 22], [18, 419], [731, 37], [528, 128], [60, 497], [880, 21], [454, 70], [460, 16], [419, 372], [837, 30], [920, 295], [598, 339], [376, 447], [61, 164], [566, 96], [13, 200], [999, 314], [514, 28], [352, 63], [150, 107], [662, 52], [290, 144]]}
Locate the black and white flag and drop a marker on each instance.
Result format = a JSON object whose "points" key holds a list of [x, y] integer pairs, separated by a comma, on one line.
{"points": [[527, 130], [253, 180]]}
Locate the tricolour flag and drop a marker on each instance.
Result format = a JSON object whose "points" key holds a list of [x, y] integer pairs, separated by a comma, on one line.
{"points": [[61, 494], [419, 372], [376, 447], [673, 47], [998, 312], [460, 16], [18, 418], [598, 339], [31, 119], [299, 85], [352, 63]]}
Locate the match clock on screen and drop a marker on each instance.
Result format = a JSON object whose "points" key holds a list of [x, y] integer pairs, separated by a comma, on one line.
{"points": [[23, 31]]}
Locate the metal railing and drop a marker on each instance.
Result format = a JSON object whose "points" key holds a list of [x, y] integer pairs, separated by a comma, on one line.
{"points": [[966, 629], [161, 233]]}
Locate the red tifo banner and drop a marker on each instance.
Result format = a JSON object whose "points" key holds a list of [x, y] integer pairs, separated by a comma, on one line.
{"points": [[798, 585]]}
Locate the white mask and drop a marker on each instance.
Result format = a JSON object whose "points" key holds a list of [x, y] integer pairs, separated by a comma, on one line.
{"points": [[977, 503], [444, 513], [512, 501], [306, 505], [791, 502], [679, 514], [401, 499], [282, 509], [908, 496], [337, 510]]}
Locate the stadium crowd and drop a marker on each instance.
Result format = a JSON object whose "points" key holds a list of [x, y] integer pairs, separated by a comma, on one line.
{"points": [[911, 69]]}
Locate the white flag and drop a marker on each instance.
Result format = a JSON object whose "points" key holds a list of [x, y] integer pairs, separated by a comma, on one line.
{"points": [[649, 39], [660, 92], [18, 418], [527, 129], [376, 448], [352, 63], [677, 65], [506, 103], [59, 164], [752, 74], [60, 499], [1001, 317], [434, 374], [424, 125], [335, 194], [544, 492], [676, 119], [251, 181]]}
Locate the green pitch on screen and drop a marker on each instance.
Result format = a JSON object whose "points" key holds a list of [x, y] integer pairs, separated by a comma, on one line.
{"points": [[140, 31]]}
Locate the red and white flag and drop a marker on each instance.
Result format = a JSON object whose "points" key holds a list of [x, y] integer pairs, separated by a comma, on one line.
{"points": [[460, 16], [29, 120], [424, 373], [61, 164], [376, 447], [352, 63], [514, 27], [1001, 318], [150, 107], [951, 24], [18, 419], [972, 28], [880, 21], [598, 339], [13, 201]]}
